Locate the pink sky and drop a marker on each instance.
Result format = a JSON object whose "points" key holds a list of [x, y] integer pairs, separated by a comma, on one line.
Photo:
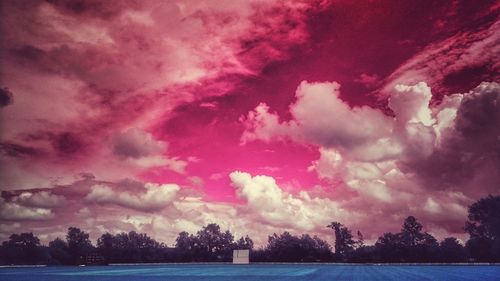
{"points": [[261, 116]]}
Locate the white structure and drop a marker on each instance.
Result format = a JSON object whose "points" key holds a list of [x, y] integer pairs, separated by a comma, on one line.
{"points": [[241, 256]]}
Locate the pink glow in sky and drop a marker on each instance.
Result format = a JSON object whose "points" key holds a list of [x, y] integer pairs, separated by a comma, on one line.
{"points": [[261, 116]]}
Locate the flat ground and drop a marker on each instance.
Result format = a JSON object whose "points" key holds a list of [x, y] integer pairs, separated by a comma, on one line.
{"points": [[258, 272]]}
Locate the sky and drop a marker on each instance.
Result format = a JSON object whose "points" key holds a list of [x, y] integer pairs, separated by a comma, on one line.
{"points": [[261, 116]]}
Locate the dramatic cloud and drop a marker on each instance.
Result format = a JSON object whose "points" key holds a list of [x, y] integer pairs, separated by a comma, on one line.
{"points": [[320, 118], [392, 161], [139, 148], [467, 155], [468, 57], [93, 79], [163, 116]]}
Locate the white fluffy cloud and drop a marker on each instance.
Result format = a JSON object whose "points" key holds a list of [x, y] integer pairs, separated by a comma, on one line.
{"points": [[319, 117], [279, 208], [16, 212], [411, 104], [153, 197], [328, 164]]}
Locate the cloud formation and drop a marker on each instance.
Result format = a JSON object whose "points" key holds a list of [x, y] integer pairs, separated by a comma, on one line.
{"points": [[280, 208], [466, 155], [141, 61], [154, 197], [11, 211], [448, 64], [422, 153], [320, 118], [126, 114], [42, 199]]}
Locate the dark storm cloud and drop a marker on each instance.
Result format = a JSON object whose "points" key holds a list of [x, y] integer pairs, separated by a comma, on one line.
{"points": [[469, 77], [64, 144], [136, 143], [6, 97], [17, 150], [125, 149], [67, 143], [28, 52], [469, 156], [478, 117]]}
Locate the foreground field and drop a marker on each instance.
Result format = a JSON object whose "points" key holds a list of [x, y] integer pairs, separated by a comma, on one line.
{"points": [[258, 272]]}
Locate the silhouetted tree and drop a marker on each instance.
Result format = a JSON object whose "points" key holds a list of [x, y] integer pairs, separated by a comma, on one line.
{"points": [[361, 240], [186, 247], [131, 247], [289, 248], [427, 250], [409, 245], [411, 234], [23, 248], [362, 253], [344, 242], [209, 244], [418, 246], [79, 244], [483, 227], [214, 244], [245, 243], [450, 250], [107, 247], [389, 248], [185, 241], [59, 251]]}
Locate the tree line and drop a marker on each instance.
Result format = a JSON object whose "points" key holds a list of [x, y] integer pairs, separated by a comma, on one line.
{"points": [[211, 244]]}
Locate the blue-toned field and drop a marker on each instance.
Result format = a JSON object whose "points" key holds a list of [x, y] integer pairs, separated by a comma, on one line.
{"points": [[260, 272]]}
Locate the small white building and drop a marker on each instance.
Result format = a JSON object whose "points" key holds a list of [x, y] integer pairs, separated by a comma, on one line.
{"points": [[241, 256]]}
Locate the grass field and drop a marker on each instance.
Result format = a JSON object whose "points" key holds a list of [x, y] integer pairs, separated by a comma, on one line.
{"points": [[257, 272]]}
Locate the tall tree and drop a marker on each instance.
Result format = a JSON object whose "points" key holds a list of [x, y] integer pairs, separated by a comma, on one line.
{"points": [[79, 244], [344, 242], [409, 245], [411, 232], [418, 246]]}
